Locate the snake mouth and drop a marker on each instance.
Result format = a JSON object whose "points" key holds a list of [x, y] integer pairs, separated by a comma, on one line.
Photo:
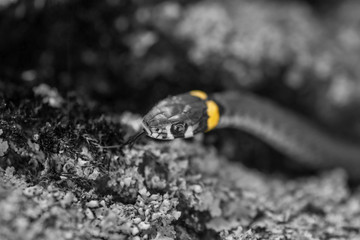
{"points": [[159, 136], [163, 135], [155, 135]]}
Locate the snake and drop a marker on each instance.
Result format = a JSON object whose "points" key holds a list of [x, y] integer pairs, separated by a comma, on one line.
{"points": [[194, 112]]}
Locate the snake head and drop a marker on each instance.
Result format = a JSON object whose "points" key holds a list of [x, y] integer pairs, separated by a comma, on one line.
{"points": [[180, 116]]}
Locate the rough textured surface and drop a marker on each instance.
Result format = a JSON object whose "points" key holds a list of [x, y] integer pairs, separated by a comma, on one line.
{"points": [[60, 180], [55, 184]]}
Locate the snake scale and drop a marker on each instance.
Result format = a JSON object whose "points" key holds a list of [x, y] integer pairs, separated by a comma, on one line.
{"points": [[184, 115]]}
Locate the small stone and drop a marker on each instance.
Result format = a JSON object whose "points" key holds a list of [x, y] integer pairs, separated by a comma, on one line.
{"points": [[147, 212], [134, 231], [136, 220], [144, 226], [4, 146], [68, 198], [92, 204], [176, 214], [21, 223], [154, 197], [127, 182], [32, 191], [89, 214], [165, 206], [103, 203], [155, 216], [68, 235], [197, 188], [143, 192]]}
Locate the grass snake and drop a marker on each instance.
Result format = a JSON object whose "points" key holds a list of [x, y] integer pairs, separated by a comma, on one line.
{"points": [[184, 115]]}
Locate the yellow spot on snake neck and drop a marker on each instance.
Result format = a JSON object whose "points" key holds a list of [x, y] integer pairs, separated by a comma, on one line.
{"points": [[199, 94], [213, 113]]}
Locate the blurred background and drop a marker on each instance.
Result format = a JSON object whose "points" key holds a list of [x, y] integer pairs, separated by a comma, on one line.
{"points": [[128, 54]]}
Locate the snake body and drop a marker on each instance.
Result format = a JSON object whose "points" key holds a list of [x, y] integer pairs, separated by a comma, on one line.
{"points": [[282, 129]]}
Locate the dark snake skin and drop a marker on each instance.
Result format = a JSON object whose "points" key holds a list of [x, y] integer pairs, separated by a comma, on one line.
{"points": [[288, 133]]}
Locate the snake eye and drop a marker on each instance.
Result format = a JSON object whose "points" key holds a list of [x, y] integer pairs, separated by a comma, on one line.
{"points": [[178, 128]]}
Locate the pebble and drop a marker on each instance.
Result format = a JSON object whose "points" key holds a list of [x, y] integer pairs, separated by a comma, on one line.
{"points": [[68, 199], [155, 216], [134, 231], [137, 220], [197, 188], [127, 181], [93, 204], [144, 226], [32, 191], [144, 192], [89, 214]]}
